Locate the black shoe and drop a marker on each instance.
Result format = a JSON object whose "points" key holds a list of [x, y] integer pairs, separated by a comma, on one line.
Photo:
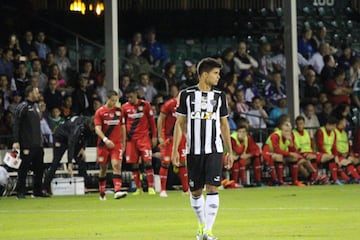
{"points": [[20, 196], [43, 194]]}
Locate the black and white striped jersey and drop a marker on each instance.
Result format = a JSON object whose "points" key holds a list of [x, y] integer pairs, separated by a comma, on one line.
{"points": [[203, 111]]}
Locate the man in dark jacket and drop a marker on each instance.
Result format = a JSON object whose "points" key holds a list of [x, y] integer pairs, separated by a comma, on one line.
{"points": [[70, 136], [28, 140]]}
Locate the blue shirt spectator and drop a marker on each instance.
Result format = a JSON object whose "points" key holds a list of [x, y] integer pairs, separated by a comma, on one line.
{"points": [[6, 64], [155, 49]]}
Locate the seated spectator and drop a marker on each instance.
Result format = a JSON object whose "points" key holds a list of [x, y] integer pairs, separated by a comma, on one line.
{"points": [[322, 99], [158, 55], [44, 125], [147, 87], [52, 96], [5, 91], [277, 111], [305, 46], [6, 63], [346, 56], [42, 48], [188, 76], [264, 60], [136, 40], [50, 60], [27, 45], [227, 61], [248, 86], [15, 101], [66, 107], [63, 62], [14, 44], [170, 77], [338, 88], [309, 89], [320, 37], [354, 71], [124, 84], [36, 69], [241, 106], [274, 90], [243, 60], [54, 73], [325, 113], [55, 119], [257, 116], [343, 110], [311, 121], [317, 59], [82, 97], [137, 64], [21, 79], [328, 70]]}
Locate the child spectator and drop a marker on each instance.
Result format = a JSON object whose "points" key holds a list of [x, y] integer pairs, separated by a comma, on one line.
{"points": [[55, 119], [66, 107]]}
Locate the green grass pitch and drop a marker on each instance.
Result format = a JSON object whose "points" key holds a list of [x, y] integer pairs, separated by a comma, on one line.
{"points": [[317, 212]]}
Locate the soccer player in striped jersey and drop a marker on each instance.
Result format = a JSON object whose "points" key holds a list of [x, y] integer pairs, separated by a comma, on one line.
{"points": [[202, 114]]}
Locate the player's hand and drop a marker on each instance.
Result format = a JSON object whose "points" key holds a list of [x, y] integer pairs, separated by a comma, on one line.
{"points": [[175, 158], [16, 145], [82, 154], [228, 161], [154, 142], [70, 169], [109, 144]]}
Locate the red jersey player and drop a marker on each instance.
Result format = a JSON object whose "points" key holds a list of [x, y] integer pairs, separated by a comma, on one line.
{"points": [[111, 139], [165, 124], [245, 151], [138, 117]]}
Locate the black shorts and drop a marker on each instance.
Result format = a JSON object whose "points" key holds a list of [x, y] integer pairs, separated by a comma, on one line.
{"points": [[204, 169]]}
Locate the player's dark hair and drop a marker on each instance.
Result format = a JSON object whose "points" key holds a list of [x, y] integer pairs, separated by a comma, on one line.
{"points": [[207, 64], [331, 120], [283, 119], [111, 93], [299, 118], [131, 89]]}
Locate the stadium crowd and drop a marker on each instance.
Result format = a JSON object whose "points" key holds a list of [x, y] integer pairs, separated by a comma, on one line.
{"points": [[255, 87]]}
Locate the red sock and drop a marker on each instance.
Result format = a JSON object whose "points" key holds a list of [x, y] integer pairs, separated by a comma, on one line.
{"points": [[294, 168], [163, 177], [149, 171], [235, 171], [117, 182], [242, 170], [333, 170], [343, 175], [102, 185], [315, 173], [136, 175], [280, 171], [257, 169], [184, 178], [351, 169]]}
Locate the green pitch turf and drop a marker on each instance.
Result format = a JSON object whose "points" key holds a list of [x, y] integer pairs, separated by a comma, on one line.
{"points": [[318, 212]]}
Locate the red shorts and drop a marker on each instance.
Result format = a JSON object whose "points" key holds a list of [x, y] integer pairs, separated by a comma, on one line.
{"points": [[138, 147], [318, 156], [104, 154], [166, 150], [266, 154]]}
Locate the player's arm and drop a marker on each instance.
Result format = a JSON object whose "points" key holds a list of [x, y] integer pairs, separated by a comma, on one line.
{"points": [[225, 133], [179, 129], [160, 122], [151, 119], [19, 113], [98, 130]]}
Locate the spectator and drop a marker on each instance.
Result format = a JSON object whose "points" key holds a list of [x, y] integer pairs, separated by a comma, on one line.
{"points": [[274, 90], [277, 111], [14, 44], [354, 71], [322, 99], [338, 88], [27, 45], [137, 64], [52, 96], [21, 79], [325, 113], [346, 56], [16, 100], [36, 69], [124, 84], [243, 60], [66, 107], [63, 62], [6, 63], [343, 111], [136, 40], [54, 73], [264, 59], [50, 60], [248, 86], [188, 76], [42, 48], [227, 61], [328, 70], [309, 90], [170, 77], [257, 116], [55, 119], [305, 46], [46, 132], [241, 106], [5, 91], [311, 120], [82, 97], [156, 50], [320, 37], [147, 87], [317, 59]]}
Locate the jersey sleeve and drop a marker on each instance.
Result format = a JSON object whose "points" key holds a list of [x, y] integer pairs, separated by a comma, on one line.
{"points": [[97, 118], [224, 106], [181, 109]]}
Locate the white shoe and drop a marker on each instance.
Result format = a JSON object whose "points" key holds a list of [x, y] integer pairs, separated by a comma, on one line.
{"points": [[163, 194], [102, 198], [120, 194]]}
